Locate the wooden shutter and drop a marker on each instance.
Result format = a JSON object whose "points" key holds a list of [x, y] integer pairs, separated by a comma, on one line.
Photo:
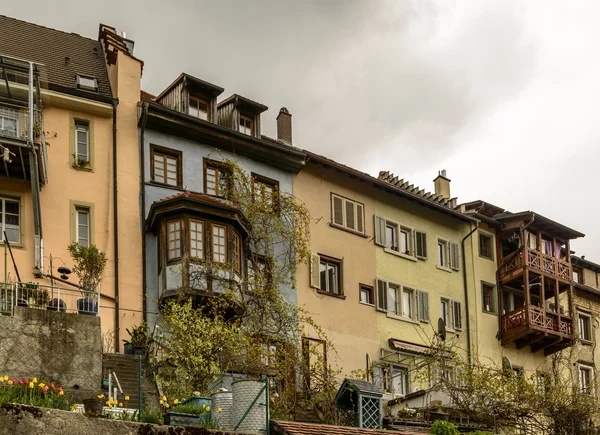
{"points": [[456, 315], [338, 212], [421, 245], [359, 219], [379, 231], [423, 306], [350, 216], [382, 289], [315, 274], [454, 256]]}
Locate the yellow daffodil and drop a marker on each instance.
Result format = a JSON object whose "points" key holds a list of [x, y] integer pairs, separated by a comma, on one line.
{"points": [[166, 405], [31, 385], [10, 382], [164, 398], [208, 409], [219, 410], [42, 385], [126, 398], [160, 401], [61, 393], [175, 402], [34, 380], [73, 406], [100, 396], [109, 406], [6, 377]]}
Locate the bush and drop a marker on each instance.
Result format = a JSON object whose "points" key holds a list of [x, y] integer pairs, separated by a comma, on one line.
{"points": [[440, 427]]}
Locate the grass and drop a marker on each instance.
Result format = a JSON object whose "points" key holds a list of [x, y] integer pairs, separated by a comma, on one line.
{"points": [[189, 409]]}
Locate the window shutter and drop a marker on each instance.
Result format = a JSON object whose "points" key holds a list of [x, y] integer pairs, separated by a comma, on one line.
{"points": [[457, 315], [423, 306], [454, 256], [315, 275], [379, 231], [359, 219], [350, 218], [421, 245], [338, 213], [382, 289]]}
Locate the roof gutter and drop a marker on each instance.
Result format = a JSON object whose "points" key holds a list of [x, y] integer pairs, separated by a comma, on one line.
{"points": [[464, 258]]}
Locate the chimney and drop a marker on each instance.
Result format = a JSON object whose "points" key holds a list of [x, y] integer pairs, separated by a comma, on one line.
{"points": [[284, 126], [442, 185]]}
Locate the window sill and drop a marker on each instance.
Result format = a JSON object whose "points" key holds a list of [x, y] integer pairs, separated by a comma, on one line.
{"points": [[166, 186], [13, 245], [333, 295], [491, 313], [486, 258], [586, 342], [83, 168], [366, 304], [445, 269], [402, 318], [400, 254], [348, 230]]}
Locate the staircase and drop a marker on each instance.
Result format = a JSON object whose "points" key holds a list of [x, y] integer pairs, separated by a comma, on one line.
{"points": [[126, 369]]}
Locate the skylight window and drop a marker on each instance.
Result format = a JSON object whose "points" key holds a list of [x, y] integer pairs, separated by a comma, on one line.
{"points": [[87, 82]]}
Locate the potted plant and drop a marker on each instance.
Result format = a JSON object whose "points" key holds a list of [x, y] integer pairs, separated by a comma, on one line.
{"points": [[140, 339], [128, 347], [94, 405], [89, 266]]}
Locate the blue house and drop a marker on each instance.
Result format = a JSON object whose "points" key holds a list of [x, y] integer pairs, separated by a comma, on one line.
{"points": [[185, 136]]}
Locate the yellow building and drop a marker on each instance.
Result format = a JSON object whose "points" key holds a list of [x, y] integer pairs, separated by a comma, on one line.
{"points": [[60, 173]]}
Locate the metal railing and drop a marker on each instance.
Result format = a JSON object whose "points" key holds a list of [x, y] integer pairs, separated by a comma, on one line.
{"points": [[46, 297]]}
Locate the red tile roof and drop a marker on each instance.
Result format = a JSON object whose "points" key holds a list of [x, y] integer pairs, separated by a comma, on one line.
{"points": [[297, 428], [146, 96], [64, 54], [197, 196]]}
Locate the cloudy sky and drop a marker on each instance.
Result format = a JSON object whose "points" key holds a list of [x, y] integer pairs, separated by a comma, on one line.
{"points": [[502, 94]]}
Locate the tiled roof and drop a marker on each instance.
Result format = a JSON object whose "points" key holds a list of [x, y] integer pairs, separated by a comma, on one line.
{"points": [[297, 428], [146, 96], [416, 190], [64, 54], [197, 196]]}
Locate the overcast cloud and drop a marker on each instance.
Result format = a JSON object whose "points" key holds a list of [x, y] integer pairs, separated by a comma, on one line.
{"points": [[501, 94]]}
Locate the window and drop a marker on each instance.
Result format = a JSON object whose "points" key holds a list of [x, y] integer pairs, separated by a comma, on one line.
{"points": [[486, 246], [585, 327], [347, 213], [543, 382], [87, 82], [166, 166], [174, 239], [83, 226], [421, 248], [82, 139], [366, 294], [391, 236], [448, 255], [314, 360], [445, 311], [577, 275], [398, 380], [237, 252], [405, 241], [442, 250], [198, 108], [246, 125], [401, 300], [265, 189], [216, 179], [488, 296], [532, 242], [9, 122], [196, 239], [451, 312], [586, 379], [10, 219], [218, 243], [407, 302], [330, 276]]}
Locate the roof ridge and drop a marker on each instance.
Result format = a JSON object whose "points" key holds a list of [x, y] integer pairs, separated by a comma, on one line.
{"points": [[48, 28], [407, 186]]}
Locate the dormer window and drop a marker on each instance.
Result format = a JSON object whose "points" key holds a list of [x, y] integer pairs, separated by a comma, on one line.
{"points": [[87, 82], [198, 108], [246, 126]]}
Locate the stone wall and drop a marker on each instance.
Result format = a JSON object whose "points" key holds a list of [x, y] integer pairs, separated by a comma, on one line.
{"points": [[63, 348]]}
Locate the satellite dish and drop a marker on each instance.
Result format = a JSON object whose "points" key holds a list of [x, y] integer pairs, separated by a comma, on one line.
{"points": [[506, 364], [442, 329]]}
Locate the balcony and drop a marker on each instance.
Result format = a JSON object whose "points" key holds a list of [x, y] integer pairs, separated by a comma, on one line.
{"points": [[534, 326], [546, 264]]}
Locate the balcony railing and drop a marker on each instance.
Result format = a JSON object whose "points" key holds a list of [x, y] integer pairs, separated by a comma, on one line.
{"points": [[45, 297], [537, 260], [539, 318]]}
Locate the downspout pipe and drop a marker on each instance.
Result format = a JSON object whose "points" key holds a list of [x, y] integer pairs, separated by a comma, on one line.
{"points": [[143, 202], [510, 257], [115, 102], [464, 258]]}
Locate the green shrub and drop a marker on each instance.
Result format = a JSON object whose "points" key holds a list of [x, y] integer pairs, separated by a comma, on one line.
{"points": [[441, 427], [151, 417], [190, 409]]}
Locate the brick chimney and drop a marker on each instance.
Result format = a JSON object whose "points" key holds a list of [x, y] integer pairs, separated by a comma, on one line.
{"points": [[284, 126], [442, 184]]}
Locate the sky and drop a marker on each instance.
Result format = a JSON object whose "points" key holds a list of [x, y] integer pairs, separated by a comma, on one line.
{"points": [[501, 94]]}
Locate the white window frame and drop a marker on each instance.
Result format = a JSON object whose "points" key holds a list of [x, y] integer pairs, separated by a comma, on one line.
{"points": [[358, 210], [398, 290], [3, 224], [81, 85], [84, 127], [585, 389], [198, 111], [443, 256], [446, 312], [78, 211], [452, 322], [12, 114], [402, 371], [397, 230], [588, 317], [370, 291]]}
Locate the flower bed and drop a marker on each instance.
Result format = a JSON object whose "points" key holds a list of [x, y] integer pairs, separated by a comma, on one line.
{"points": [[32, 392]]}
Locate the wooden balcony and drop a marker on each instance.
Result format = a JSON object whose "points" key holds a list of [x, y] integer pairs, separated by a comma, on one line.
{"points": [[533, 326], [545, 264]]}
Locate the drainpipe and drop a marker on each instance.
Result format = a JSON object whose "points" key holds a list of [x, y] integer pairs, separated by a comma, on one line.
{"points": [[116, 224], [143, 202], [510, 257], [464, 258]]}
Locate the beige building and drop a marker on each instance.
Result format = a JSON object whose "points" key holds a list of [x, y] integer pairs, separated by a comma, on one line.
{"points": [[67, 174]]}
